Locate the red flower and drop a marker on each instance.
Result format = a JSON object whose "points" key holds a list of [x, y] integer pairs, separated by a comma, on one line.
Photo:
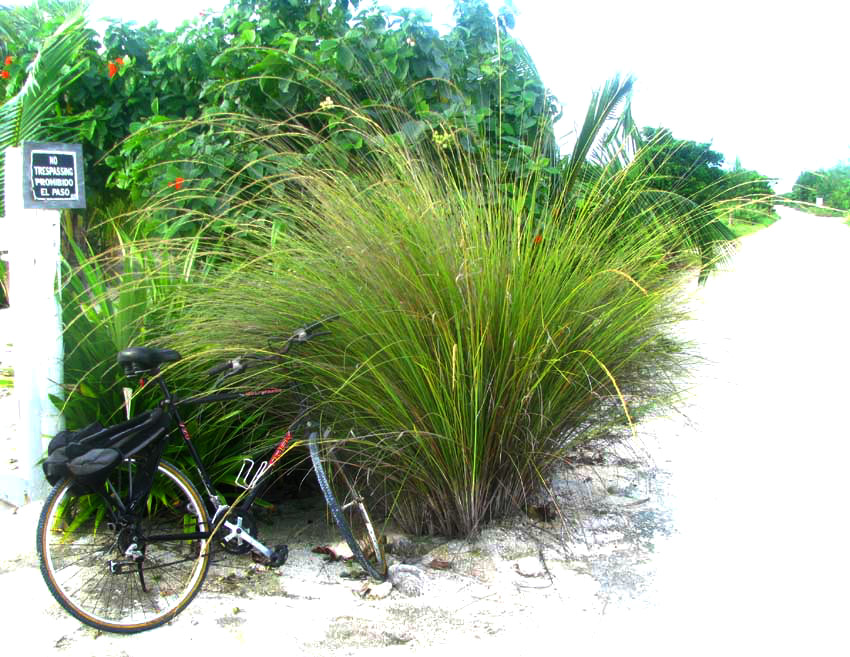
{"points": [[119, 61], [8, 60], [177, 184], [113, 69], [538, 239], [4, 74]]}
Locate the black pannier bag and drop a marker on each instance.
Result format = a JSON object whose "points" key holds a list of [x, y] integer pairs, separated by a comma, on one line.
{"points": [[55, 466], [63, 437], [88, 455]]}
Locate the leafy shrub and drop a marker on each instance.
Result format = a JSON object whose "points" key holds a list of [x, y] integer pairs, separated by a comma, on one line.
{"points": [[694, 171], [105, 307], [274, 59]]}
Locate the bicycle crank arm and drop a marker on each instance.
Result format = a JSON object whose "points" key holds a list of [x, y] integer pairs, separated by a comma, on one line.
{"points": [[237, 533]]}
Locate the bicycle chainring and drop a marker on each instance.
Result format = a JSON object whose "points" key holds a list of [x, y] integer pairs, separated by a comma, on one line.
{"points": [[245, 520]]}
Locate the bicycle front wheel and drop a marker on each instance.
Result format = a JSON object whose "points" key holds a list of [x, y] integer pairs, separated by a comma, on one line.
{"points": [[349, 513], [125, 575]]}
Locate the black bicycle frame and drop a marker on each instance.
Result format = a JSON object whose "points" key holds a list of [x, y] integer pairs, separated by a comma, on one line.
{"points": [[171, 406]]}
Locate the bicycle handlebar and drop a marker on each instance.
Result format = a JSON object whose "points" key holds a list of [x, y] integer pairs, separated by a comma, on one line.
{"points": [[299, 336], [220, 367], [305, 333]]}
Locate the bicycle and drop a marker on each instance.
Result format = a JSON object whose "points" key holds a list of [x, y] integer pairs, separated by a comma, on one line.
{"points": [[125, 538]]}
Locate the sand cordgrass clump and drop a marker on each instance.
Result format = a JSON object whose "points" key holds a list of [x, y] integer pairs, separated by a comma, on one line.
{"points": [[480, 338]]}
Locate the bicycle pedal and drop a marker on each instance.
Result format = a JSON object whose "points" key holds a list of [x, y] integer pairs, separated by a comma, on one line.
{"points": [[279, 555]]}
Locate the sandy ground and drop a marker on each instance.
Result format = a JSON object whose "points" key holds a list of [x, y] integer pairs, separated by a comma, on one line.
{"points": [[722, 529]]}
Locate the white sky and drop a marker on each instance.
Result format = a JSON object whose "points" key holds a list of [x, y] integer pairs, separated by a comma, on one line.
{"points": [[765, 81]]}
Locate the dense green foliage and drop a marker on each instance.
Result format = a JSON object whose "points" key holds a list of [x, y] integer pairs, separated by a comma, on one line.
{"points": [[277, 59], [131, 96], [479, 340], [32, 84], [694, 171], [687, 168], [133, 294], [832, 185]]}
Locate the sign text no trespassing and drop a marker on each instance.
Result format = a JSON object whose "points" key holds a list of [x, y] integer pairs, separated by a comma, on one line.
{"points": [[53, 176]]}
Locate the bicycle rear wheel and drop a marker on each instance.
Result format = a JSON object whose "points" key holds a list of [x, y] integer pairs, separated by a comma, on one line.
{"points": [[123, 575], [350, 515]]}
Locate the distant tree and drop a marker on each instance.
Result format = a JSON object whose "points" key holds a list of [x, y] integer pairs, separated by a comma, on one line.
{"points": [[833, 185], [693, 170], [685, 167]]}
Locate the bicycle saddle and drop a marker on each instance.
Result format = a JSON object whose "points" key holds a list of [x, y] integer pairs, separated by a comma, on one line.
{"points": [[142, 359]]}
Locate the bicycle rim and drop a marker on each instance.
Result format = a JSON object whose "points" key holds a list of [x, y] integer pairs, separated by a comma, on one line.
{"points": [[350, 514], [84, 557]]}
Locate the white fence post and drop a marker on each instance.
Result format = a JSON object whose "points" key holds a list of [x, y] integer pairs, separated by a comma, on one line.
{"points": [[34, 258]]}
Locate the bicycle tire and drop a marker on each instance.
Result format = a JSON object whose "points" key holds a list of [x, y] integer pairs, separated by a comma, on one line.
{"points": [[84, 559], [375, 564]]}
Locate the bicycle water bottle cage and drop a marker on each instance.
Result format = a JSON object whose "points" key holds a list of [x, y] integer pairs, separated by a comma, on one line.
{"points": [[250, 473], [143, 360]]}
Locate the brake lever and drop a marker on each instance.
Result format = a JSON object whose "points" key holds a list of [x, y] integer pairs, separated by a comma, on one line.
{"points": [[237, 366], [221, 367], [324, 320], [304, 334]]}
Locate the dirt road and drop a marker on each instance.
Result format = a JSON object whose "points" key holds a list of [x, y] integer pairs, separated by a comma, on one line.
{"points": [[751, 483]]}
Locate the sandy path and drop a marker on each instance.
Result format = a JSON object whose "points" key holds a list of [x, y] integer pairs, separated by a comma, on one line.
{"points": [[759, 486], [760, 483], [756, 493]]}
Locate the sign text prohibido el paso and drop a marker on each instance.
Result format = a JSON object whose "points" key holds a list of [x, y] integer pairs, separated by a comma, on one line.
{"points": [[53, 176]]}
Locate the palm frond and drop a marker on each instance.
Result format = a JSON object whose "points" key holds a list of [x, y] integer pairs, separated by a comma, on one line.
{"points": [[28, 114], [601, 110]]}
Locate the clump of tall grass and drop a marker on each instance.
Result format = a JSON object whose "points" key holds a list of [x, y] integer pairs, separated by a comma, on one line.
{"points": [[485, 329]]}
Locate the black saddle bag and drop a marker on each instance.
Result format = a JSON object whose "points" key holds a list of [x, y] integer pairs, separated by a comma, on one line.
{"points": [[89, 455]]}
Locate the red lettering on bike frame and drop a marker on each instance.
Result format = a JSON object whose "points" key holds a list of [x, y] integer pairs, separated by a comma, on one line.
{"points": [[281, 448], [258, 393], [185, 432]]}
